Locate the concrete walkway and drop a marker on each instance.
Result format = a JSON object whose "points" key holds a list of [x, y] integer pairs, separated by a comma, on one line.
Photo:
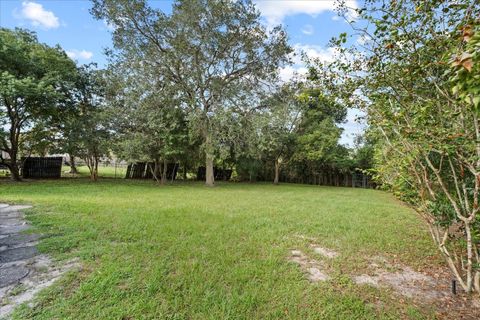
{"points": [[15, 249], [23, 270]]}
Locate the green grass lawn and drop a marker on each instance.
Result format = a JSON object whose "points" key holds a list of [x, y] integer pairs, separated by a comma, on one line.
{"points": [[189, 252]]}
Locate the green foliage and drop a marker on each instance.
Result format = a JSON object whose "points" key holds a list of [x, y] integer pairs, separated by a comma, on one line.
{"points": [[466, 63], [280, 121], [422, 111], [318, 142], [152, 125], [300, 132], [34, 81], [364, 152], [248, 169]]}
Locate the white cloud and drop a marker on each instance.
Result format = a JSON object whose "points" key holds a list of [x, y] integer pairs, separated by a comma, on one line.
{"points": [[289, 72], [312, 52], [307, 29], [79, 54], [275, 11], [38, 16]]}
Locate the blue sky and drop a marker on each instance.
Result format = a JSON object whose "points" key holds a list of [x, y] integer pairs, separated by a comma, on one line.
{"points": [[310, 25]]}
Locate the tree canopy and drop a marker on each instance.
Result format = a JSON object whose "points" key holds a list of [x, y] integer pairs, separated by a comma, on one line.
{"points": [[210, 50], [35, 82]]}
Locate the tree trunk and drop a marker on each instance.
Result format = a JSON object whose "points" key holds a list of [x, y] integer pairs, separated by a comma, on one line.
{"points": [[92, 163], [469, 257], [13, 166], [14, 171], [95, 171], [73, 167], [184, 171], [13, 153], [476, 281], [164, 172], [277, 172], [209, 176], [156, 169], [14, 136]]}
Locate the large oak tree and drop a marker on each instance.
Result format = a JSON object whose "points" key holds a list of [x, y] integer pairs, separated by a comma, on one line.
{"points": [[208, 48]]}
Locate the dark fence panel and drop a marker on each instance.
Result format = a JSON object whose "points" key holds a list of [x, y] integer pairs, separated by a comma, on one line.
{"points": [[172, 171], [136, 170], [42, 167], [222, 174], [143, 170], [201, 173], [129, 171], [354, 180], [218, 173]]}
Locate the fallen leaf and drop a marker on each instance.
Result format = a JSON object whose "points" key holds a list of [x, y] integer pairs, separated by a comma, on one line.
{"points": [[468, 64]]}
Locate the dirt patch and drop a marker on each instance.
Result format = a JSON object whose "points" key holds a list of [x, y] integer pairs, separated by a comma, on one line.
{"points": [[314, 269], [311, 267], [402, 279], [20, 239], [429, 289], [327, 253], [425, 289], [406, 282]]}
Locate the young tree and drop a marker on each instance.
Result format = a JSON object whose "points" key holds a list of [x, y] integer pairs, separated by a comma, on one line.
{"points": [[423, 107], [248, 142], [90, 128], [152, 125], [318, 133], [281, 120], [69, 135], [34, 79], [156, 131], [364, 151], [209, 48], [70, 123]]}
